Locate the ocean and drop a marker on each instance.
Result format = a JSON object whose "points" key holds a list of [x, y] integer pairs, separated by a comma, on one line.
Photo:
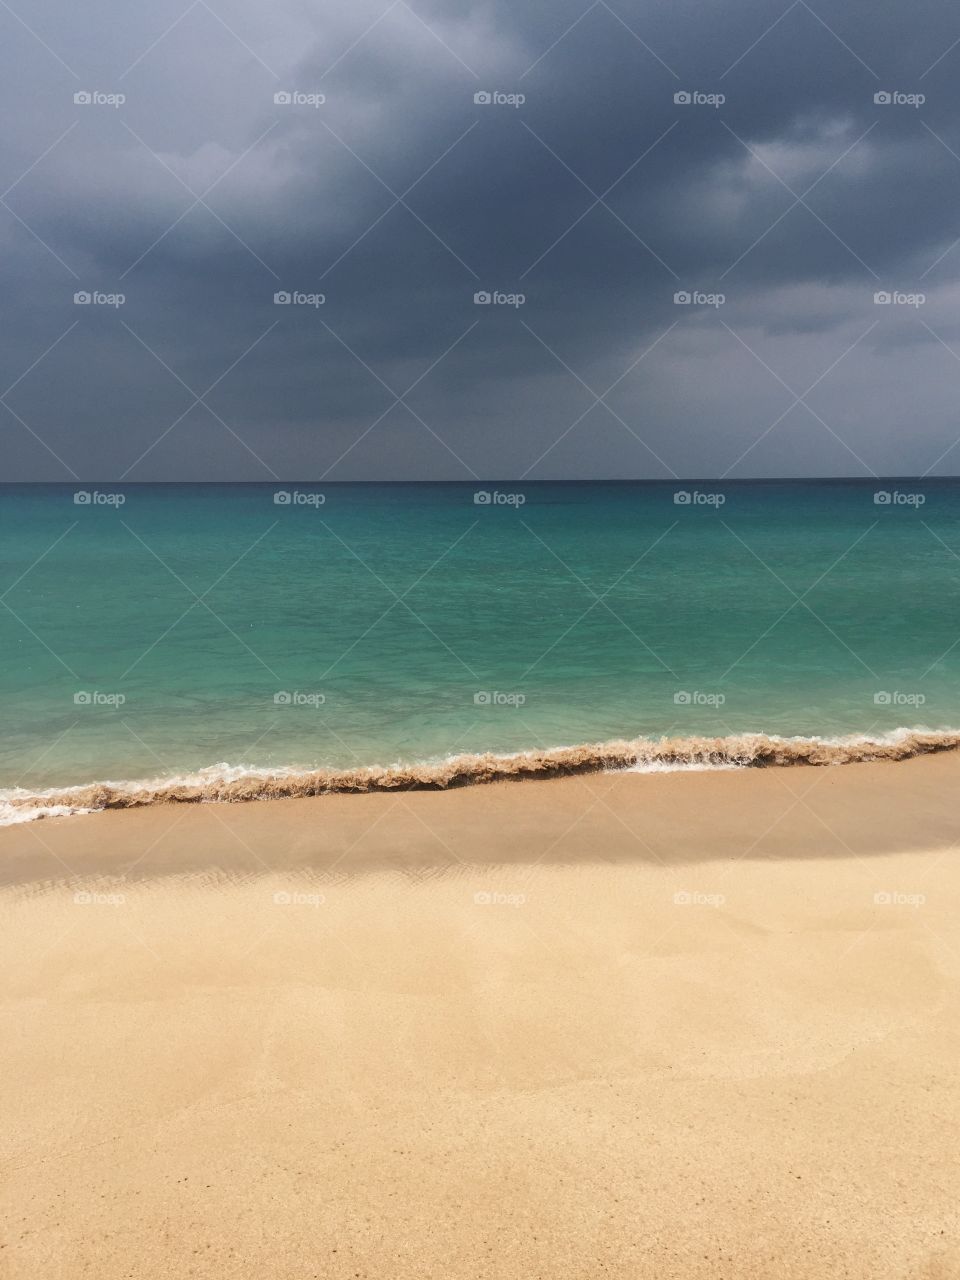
{"points": [[199, 636]]}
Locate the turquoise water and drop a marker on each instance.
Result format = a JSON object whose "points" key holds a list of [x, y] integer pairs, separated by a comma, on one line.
{"points": [[409, 622]]}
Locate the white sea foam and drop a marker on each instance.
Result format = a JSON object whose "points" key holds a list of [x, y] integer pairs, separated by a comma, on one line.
{"points": [[226, 782]]}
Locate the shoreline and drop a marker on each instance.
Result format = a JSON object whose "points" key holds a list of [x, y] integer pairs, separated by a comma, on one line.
{"points": [[235, 784], [674, 817]]}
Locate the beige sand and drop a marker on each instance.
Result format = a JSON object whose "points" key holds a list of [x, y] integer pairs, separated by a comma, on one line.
{"points": [[688, 1025]]}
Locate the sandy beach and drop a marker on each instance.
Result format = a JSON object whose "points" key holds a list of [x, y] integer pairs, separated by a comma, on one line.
{"points": [[695, 1024]]}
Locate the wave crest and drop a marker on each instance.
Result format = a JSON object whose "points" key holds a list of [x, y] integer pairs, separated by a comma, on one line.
{"points": [[233, 784]]}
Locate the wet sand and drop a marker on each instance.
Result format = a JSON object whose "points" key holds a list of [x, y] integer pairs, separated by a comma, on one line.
{"points": [[674, 1025]]}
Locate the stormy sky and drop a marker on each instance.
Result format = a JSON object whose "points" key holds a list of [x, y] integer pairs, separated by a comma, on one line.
{"points": [[588, 166]]}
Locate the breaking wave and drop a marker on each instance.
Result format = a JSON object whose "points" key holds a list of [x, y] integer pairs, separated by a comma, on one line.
{"points": [[233, 783]]}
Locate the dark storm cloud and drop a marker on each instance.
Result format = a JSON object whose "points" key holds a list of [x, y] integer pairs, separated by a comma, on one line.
{"points": [[599, 199]]}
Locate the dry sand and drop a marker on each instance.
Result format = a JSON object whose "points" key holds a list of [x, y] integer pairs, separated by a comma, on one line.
{"points": [[684, 1025]]}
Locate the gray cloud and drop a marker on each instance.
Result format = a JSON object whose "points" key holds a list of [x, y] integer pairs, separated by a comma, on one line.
{"points": [[599, 198]]}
